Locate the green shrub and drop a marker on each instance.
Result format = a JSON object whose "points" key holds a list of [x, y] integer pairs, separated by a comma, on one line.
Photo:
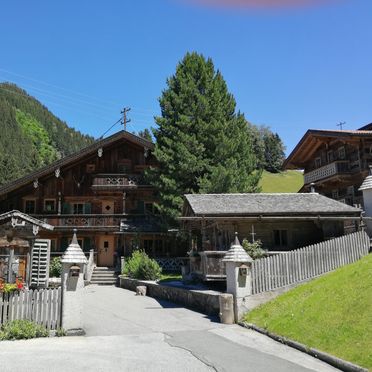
{"points": [[141, 266], [60, 332], [55, 268], [253, 249], [22, 329]]}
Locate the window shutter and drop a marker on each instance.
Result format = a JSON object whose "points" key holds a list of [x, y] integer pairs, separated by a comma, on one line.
{"points": [[40, 263], [63, 244], [87, 208], [66, 208], [141, 206], [87, 244]]}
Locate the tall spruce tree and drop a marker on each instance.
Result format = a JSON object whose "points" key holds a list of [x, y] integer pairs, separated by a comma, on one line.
{"points": [[202, 143], [274, 152]]}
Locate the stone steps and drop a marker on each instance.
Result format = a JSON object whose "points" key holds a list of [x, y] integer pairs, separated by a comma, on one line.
{"points": [[104, 276]]}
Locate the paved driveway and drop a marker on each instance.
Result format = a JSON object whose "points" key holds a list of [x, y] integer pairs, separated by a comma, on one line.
{"points": [[130, 333]]}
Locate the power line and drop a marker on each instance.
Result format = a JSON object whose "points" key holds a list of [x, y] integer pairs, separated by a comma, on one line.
{"points": [[113, 103], [56, 86], [109, 128], [54, 103]]}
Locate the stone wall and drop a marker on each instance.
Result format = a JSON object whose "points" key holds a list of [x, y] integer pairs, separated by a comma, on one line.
{"points": [[204, 301]]}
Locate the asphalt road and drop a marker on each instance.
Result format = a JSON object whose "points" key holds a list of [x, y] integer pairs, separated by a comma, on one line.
{"points": [[125, 332]]}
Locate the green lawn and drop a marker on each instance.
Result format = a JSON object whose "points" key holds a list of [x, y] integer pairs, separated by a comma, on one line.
{"points": [[169, 277], [288, 181], [332, 313]]}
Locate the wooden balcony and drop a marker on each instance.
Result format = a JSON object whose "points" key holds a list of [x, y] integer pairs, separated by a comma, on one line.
{"points": [[114, 182], [83, 221], [329, 170]]}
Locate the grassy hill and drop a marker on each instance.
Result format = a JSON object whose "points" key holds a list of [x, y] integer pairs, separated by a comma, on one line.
{"points": [[31, 136], [288, 181], [332, 313]]}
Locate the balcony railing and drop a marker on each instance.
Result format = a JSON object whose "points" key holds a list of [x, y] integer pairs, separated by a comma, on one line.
{"points": [[82, 220], [329, 170], [117, 181]]}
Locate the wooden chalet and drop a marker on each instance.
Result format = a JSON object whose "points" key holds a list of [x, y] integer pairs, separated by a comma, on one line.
{"points": [[335, 161], [282, 222], [101, 192]]}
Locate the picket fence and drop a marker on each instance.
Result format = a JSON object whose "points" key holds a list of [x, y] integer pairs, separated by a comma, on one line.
{"points": [[41, 306], [292, 267]]}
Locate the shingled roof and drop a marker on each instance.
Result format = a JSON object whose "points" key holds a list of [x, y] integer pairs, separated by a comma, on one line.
{"points": [[75, 156], [267, 205]]}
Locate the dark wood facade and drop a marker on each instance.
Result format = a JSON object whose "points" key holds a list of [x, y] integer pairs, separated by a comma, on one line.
{"points": [[336, 162], [101, 192]]}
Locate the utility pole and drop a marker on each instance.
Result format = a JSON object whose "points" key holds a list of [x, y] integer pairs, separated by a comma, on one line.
{"points": [[341, 124], [125, 119]]}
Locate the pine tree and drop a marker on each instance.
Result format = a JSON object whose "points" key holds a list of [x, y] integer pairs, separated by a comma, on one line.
{"points": [[274, 152], [146, 134], [202, 143]]}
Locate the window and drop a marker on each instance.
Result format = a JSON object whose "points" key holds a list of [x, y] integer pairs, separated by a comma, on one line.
{"points": [[149, 208], [335, 194], [318, 162], [159, 248], [330, 156], [78, 208], [123, 168], [105, 244], [341, 152], [30, 206], [53, 245], [350, 190], [49, 205], [280, 238], [148, 245]]}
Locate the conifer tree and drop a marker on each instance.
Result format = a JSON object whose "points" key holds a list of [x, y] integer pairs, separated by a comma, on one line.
{"points": [[202, 143]]}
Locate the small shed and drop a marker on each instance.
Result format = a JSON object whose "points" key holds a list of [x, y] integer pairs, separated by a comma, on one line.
{"points": [[280, 221], [18, 232]]}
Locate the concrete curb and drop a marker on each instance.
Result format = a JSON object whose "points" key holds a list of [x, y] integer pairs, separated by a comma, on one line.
{"points": [[341, 364]]}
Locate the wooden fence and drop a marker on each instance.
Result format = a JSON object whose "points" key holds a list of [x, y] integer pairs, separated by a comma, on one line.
{"points": [[42, 306], [292, 267]]}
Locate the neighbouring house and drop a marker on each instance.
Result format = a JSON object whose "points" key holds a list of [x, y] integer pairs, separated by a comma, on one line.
{"points": [[281, 221], [19, 247], [335, 162], [101, 191]]}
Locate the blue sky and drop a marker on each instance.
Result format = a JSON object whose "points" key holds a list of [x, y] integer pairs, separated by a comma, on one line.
{"points": [[289, 68]]}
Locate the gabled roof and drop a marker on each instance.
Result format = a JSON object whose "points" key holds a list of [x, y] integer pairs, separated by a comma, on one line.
{"points": [[19, 218], [75, 156], [299, 204], [309, 141]]}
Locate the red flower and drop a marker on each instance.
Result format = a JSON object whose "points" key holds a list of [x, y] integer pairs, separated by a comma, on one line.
{"points": [[19, 284]]}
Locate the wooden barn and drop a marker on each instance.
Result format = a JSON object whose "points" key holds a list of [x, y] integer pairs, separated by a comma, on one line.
{"points": [[281, 221]]}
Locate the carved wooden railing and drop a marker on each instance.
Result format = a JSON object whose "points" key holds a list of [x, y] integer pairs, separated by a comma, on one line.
{"points": [[117, 181], [82, 220], [326, 171]]}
